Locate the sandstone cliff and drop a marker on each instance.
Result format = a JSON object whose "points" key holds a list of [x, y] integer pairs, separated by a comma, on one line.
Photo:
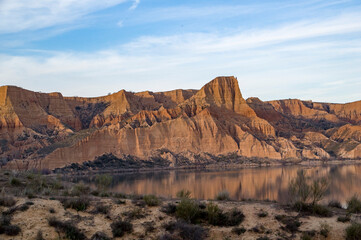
{"points": [[39, 130]]}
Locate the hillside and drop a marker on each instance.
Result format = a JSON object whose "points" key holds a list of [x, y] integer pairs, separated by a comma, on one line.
{"points": [[48, 131]]}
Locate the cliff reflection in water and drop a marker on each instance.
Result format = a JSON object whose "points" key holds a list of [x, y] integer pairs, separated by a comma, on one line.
{"points": [[257, 183]]}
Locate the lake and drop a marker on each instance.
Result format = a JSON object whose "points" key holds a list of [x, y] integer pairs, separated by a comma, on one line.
{"points": [[265, 183]]}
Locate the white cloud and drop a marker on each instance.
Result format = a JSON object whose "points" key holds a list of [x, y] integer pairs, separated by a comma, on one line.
{"points": [[120, 23], [134, 5], [21, 15], [269, 63]]}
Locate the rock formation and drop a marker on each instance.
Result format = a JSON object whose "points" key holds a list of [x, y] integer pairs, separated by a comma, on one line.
{"points": [[39, 130]]}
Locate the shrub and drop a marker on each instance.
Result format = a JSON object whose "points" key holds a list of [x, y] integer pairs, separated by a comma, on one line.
{"points": [[353, 232], [135, 213], [104, 181], [223, 196], [325, 229], [149, 226], [99, 236], [262, 214], [291, 223], [263, 238], [101, 208], [188, 210], [68, 228], [39, 235], [354, 205], [7, 201], [185, 231], [120, 227], [11, 230], [335, 204], [169, 208], [79, 204], [343, 219], [213, 214], [80, 189], [234, 217], [184, 194], [238, 230], [311, 209], [15, 181], [306, 236], [151, 200], [301, 191]]}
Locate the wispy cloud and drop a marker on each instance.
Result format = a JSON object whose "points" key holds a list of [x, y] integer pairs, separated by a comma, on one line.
{"points": [[293, 60], [134, 5], [23, 15]]}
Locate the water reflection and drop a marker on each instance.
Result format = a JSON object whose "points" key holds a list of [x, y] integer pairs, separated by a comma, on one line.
{"points": [[257, 183]]}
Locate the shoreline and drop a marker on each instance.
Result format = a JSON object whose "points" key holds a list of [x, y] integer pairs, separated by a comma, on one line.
{"points": [[215, 167]]}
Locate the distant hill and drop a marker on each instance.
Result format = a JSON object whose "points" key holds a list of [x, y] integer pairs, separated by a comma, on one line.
{"points": [[40, 130]]}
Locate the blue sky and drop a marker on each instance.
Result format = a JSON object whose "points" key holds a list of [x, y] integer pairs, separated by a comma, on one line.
{"points": [[277, 49]]}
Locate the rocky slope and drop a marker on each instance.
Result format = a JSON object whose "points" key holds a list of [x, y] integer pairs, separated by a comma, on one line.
{"points": [[39, 130]]}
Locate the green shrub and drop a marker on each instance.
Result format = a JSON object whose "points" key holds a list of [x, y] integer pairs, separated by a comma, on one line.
{"points": [[101, 208], [68, 228], [262, 214], [354, 205], [312, 209], [104, 181], [151, 200], [353, 232], [188, 210], [223, 196], [120, 227], [301, 191], [79, 203], [184, 194], [169, 208], [135, 213], [343, 219], [15, 181], [234, 217], [80, 189], [213, 214], [306, 236]]}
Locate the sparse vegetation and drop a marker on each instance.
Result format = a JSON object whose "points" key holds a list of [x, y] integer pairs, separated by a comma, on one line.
{"points": [[101, 208], [223, 196], [354, 205], [238, 230], [68, 228], [262, 214], [120, 227], [325, 229], [188, 210], [169, 208], [353, 232], [184, 194], [301, 191], [343, 219], [78, 203], [151, 200], [183, 230], [103, 182]]}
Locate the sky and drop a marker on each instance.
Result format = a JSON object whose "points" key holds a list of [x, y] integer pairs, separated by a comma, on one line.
{"points": [[277, 49]]}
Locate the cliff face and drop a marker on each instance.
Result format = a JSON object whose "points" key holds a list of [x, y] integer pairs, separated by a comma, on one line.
{"points": [[39, 130]]}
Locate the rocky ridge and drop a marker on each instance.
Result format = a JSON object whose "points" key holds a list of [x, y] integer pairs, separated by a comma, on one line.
{"points": [[39, 130]]}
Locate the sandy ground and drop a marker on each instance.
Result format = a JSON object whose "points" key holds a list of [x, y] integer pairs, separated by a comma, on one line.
{"points": [[35, 219]]}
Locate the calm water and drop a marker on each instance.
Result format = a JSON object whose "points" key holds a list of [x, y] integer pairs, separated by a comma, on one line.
{"points": [[257, 183]]}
